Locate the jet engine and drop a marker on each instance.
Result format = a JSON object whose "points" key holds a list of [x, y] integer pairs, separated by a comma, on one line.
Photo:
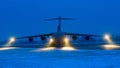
{"points": [[87, 38], [30, 39], [74, 37], [43, 38]]}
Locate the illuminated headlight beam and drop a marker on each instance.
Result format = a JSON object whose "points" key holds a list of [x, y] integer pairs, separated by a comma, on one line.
{"points": [[66, 39], [67, 46], [51, 40], [8, 44], [12, 39], [7, 48], [44, 49], [107, 37], [111, 45]]}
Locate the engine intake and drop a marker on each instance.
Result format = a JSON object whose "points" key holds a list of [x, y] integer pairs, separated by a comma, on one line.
{"points": [[30, 39], [74, 37], [87, 38], [43, 38]]}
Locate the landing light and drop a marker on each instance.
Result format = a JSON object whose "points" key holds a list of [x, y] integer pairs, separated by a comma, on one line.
{"points": [[51, 40], [111, 45], [66, 39], [106, 36], [12, 39]]}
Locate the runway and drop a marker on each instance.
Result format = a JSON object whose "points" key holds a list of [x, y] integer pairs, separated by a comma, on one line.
{"points": [[56, 58]]}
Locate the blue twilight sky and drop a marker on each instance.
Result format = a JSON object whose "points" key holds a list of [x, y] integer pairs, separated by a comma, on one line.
{"points": [[26, 17]]}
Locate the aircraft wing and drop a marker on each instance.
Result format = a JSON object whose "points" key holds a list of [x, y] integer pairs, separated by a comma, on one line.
{"points": [[76, 34], [35, 36]]}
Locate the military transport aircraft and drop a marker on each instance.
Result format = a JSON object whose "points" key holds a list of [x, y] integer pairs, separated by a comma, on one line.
{"points": [[59, 38]]}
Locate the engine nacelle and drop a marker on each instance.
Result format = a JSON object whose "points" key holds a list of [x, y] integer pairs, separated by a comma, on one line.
{"points": [[30, 39], [74, 37], [43, 38], [87, 38]]}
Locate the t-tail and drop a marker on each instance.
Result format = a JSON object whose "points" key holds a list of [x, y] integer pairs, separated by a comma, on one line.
{"points": [[59, 22]]}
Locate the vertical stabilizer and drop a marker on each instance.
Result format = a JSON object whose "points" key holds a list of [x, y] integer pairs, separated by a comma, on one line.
{"points": [[59, 22]]}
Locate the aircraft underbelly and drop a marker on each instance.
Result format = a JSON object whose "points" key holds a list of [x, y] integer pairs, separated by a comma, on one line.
{"points": [[59, 36], [58, 43]]}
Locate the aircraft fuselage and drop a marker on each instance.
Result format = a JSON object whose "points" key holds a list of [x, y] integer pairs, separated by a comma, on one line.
{"points": [[58, 38]]}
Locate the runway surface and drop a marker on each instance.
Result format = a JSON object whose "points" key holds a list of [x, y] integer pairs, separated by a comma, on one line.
{"points": [[56, 58]]}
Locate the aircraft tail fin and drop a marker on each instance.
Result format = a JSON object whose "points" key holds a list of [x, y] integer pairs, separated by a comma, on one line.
{"points": [[59, 21]]}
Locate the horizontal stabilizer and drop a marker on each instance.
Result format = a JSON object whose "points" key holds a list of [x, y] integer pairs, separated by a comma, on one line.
{"points": [[59, 18]]}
